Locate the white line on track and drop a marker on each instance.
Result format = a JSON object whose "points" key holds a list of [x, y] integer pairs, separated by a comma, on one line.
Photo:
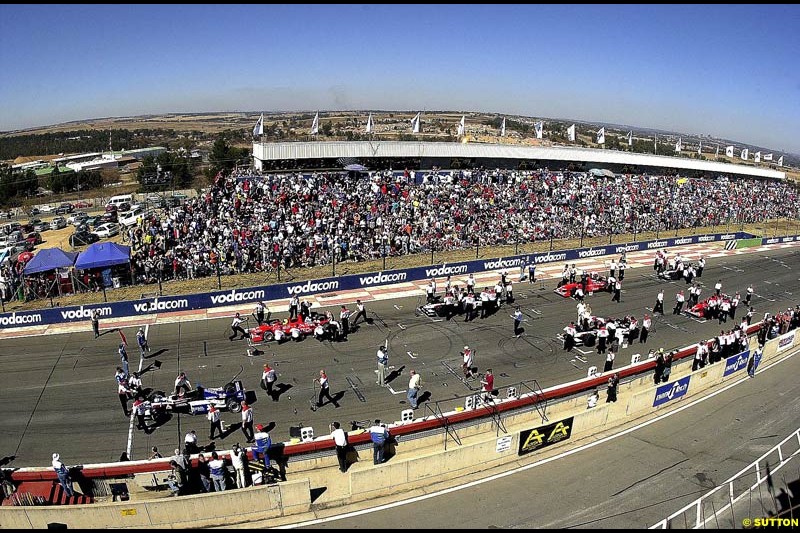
{"points": [[133, 415], [540, 462]]}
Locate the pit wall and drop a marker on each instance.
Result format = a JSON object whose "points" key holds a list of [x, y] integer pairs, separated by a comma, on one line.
{"points": [[284, 291], [419, 462]]}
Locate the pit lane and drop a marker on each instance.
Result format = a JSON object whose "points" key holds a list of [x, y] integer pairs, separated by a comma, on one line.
{"points": [[59, 392]]}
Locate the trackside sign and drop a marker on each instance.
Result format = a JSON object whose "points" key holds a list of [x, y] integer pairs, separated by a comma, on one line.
{"points": [[671, 391]]}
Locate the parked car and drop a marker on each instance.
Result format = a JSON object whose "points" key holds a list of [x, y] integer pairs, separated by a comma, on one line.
{"points": [[109, 217], [112, 208], [68, 206], [34, 211], [46, 208], [106, 230], [77, 218], [82, 204], [58, 223], [93, 221], [41, 226], [155, 200], [82, 238], [131, 217], [8, 249], [34, 237]]}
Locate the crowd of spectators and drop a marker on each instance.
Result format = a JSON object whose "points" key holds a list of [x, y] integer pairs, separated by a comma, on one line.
{"points": [[251, 223]]}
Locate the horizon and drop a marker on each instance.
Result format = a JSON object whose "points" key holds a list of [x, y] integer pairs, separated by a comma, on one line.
{"points": [[530, 61]]}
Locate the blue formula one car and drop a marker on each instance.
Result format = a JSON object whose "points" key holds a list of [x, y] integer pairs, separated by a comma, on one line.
{"points": [[229, 397]]}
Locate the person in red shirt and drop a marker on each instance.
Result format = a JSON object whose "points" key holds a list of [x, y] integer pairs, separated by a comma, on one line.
{"points": [[488, 385]]}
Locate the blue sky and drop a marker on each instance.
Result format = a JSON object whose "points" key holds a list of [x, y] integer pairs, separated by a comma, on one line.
{"points": [[728, 71]]}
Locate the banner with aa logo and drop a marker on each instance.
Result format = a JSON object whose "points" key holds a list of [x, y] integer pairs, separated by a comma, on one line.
{"points": [[535, 439]]}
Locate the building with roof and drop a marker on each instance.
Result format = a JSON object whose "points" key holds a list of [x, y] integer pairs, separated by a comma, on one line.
{"points": [[380, 155]]}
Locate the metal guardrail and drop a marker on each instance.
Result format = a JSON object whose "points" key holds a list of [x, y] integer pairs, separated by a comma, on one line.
{"points": [[694, 516]]}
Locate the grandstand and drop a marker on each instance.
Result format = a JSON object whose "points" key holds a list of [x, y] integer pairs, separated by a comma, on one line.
{"points": [[427, 155]]}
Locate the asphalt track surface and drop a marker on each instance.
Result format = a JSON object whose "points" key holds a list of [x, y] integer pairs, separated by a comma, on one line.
{"points": [[633, 481], [59, 395]]}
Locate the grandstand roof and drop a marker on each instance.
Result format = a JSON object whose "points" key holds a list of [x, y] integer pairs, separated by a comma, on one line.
{"points": [[405, 149]]}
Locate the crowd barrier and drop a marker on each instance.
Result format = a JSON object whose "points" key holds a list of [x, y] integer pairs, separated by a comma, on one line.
{"points": [[167, 304]]}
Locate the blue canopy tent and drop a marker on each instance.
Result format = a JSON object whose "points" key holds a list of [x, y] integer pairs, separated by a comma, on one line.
{"points": [[49, 259], [103, 255]]}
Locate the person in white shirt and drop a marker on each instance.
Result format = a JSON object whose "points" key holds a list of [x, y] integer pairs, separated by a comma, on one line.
{"points": [[468, 358], [659, 306], [182, 382], [238, 456], [414, 385], [383, 363], [646, 324], [361, 311], [340, 440], [216, 423], [609, 361], [569, 337], [471, 284], [679, 299], [517, 322], [718, 287], [190, 442], [268, 377], [469, 307], [237, 328]]}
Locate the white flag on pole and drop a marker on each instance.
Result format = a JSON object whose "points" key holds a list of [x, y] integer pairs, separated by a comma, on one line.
{"points": [[780, 161], [369, 123], [503, 128], [744, 154], [700, 148], [259, 128], [717, 154], [678, 145], [729, 151], [462, 126], [415, 124], [315, 124], [757, 157], [630, 138], [571, 133], [601, 135], [767, 157], [538, 127]]}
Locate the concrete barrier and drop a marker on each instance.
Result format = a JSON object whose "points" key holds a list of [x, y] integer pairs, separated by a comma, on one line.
{"points": [[229, 507]]}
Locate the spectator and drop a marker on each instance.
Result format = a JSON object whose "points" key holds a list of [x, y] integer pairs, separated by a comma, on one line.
{"points": [[378, 434], [217, 468], [340, 440], [204, 473], [177, 479], [239, 458]]}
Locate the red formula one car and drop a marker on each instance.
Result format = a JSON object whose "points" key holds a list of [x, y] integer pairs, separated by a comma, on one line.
{"points": [[709, 307], [287, 328], [594, 283]]}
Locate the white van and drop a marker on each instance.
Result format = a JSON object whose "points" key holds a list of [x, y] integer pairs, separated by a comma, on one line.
{"points": [[120, 199]]}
